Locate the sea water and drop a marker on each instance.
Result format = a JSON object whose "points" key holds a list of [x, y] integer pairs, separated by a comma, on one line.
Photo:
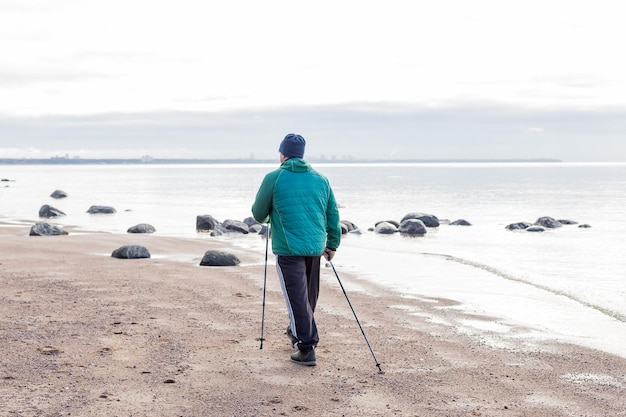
{"points": [[566, 283]]}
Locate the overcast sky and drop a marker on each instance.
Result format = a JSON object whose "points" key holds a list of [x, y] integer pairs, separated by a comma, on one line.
{"points": [[364, 79]]}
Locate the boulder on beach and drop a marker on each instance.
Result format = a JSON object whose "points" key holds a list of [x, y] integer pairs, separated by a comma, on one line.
{"points": [[141, 228], [567, 221], [429, 220], [235, 226], [101, 210], [385, 228], [219, 258], [131, 252], [412, 227], [205, 223], [46, 229], [49, 211], [536, 229], [584, 226], [548, 222], [58, 194]]}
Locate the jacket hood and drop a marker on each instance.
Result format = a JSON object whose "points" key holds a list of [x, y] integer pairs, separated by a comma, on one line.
{"points": [[296, 165]]}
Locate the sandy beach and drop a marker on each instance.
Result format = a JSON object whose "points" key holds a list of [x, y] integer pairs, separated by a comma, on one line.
{"points": [[85, 334]]}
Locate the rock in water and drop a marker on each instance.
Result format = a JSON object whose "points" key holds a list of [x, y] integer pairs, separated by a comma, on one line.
{"points": [[385, 228], [49, 211], [518, 226], [141, 228], [101, 210], [236, 226], [460, 222], [548, 222], [58, 194], [412, 227], [429, 220]]}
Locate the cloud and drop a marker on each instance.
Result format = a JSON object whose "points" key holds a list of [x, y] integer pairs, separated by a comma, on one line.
{"points": [[13, 78], [358, 130]]}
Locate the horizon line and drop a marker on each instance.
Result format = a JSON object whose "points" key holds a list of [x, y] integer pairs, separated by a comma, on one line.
{"points": [[149, 160]]}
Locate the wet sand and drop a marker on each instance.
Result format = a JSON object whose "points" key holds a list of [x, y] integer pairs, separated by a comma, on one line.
{"points": [[85, 334]]}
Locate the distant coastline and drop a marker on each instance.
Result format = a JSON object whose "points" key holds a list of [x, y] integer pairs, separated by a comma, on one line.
{"points": [[144, 161]]}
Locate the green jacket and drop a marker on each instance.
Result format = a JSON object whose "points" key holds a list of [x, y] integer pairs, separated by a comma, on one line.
{"points": [[301, 209]]}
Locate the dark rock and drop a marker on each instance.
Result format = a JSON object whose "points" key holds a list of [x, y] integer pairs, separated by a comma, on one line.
{"points": [[584, 226], [535, 229], [255, 228], [412, 227], [518, 226], [131, 252], [250, 221], [58, 194], [460, 222], [548, 222], [219, 258], [395, 223], [46, 229], [101, 210], [264, 230], [141, 228], [567, 222], [236, 226], [348, 227], [385, 228], [429, 220], [205, 222], [219, 231], [49, 211]]}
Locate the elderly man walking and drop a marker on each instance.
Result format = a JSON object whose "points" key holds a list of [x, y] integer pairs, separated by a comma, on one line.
{"points": [[300, 206]]}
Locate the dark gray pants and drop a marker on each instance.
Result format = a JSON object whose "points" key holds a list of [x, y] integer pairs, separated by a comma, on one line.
{"points": [[300, 281]]}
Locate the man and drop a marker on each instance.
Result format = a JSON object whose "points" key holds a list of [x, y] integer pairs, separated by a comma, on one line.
{"points": [[300, 206]]}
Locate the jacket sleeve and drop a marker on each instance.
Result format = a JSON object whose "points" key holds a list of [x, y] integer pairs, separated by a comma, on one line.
{"points": [[333, 225], [262, 206]]}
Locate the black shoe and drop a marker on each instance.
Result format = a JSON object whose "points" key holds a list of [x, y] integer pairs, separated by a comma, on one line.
{"points": [[291, 337], [304, 358]]}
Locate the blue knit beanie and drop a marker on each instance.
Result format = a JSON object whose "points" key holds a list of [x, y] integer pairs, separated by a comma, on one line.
{"points": [[292, 146]]}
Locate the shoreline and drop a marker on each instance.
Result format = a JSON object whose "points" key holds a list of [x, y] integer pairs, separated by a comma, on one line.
{"points": [[87, 334], [167, 161]]}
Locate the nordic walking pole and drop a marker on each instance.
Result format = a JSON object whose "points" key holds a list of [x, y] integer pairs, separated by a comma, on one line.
{"points": [[357, 319], [267, 239]]}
